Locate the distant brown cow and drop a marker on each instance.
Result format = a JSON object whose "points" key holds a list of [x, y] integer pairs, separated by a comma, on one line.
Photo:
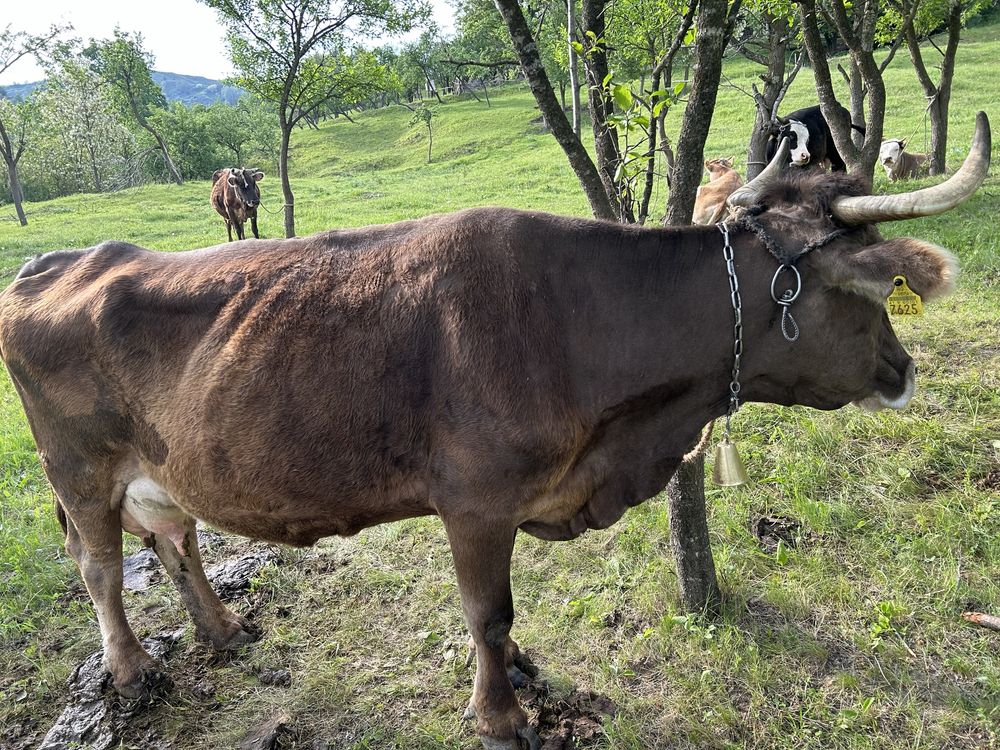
{"points": [[235, 195], [898, 164], [710, 203]]}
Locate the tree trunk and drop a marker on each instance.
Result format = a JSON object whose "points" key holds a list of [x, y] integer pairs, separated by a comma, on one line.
{"points": [[286, 187], [601, 107], [699, 588], [775, 87], [16, 194], [647, 189], [430, 142], [938, 112], [709, 45], [538, 81], [857, 89], [939, 96], [574, 79], [175, 175], [861, 160]]}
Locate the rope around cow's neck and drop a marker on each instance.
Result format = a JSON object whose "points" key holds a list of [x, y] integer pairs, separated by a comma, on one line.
{"points": [[748, 221]]}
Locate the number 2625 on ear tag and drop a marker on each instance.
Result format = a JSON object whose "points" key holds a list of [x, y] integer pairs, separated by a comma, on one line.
{"points": [[903, 300]]}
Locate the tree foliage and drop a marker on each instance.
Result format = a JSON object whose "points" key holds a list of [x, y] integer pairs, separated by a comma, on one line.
{"points": [[293, 55]]}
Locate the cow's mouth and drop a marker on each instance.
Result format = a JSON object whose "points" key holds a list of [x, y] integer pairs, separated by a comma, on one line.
{"points": [[890, 395]]}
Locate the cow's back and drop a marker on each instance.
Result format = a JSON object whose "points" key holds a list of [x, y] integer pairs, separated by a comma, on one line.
{"points": [[298, 374]]}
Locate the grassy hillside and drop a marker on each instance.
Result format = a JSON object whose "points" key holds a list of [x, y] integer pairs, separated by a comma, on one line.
{"points": [[852, 639]]}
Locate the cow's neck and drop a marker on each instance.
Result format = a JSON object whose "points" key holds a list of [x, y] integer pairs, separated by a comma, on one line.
{"points": [[661, 337]]}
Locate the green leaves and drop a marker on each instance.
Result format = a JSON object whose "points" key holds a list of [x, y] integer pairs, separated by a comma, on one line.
{"points": [[622, 96]]}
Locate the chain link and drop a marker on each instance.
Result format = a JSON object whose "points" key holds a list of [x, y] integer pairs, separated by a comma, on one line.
{"points": [[734, 295]]}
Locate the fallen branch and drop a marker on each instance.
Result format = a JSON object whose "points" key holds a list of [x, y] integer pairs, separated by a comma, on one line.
{"points": [[991, 622]]}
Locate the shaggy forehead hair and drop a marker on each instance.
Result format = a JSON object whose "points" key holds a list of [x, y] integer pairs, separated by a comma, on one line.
{"points": [[813, 190]]}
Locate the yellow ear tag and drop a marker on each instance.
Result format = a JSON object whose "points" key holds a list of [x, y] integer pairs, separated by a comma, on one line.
{"points": [[903, 300]]}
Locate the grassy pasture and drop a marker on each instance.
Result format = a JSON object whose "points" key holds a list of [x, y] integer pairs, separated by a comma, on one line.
{"points": [[850, 640]]}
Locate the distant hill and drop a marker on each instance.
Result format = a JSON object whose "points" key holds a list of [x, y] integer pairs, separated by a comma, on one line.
{"points": [[176, 87]]}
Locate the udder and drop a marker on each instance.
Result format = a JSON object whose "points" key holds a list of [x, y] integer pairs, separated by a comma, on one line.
{"points": [[148, 509]]}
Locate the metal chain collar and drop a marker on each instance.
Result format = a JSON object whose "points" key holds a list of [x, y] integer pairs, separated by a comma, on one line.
{"points": [[734, 295]]}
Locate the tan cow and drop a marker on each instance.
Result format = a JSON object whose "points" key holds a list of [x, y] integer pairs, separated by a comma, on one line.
{"points": [[504, 370], [710, 201]]}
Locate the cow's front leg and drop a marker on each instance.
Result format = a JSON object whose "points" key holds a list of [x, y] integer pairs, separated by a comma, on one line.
{"points": [[94, 540], [229, 229], [214, 622], [482, 562], [253, 226]]}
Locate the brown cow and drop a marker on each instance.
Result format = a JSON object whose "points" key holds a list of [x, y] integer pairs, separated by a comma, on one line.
{"points": [[236, 195], [502, 369], [710, 202]]}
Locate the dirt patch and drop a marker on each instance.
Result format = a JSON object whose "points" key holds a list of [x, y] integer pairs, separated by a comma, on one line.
{"points": [[770, 530], [990, 482], [274, 734], [96, 716], [566, 722], [231, 578]]}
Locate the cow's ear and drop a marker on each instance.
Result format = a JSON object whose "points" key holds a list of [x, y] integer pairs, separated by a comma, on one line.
{"points": [[902, 144], [258, 176], [929, 270]]}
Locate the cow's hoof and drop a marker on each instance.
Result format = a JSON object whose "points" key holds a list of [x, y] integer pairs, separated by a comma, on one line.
{"points": [[238, 633], [518, 679], [150, 682], [527, 739]]}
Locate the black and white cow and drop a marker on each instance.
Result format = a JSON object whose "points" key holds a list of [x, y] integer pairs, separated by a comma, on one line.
{"points": [[810, 138]]}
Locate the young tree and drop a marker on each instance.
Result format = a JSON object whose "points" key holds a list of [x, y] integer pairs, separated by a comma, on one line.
{"points": [[14, 119], [79, 137], [855, 23], [290, 53], [124, 67], [714, 28], [247, 130], [531, 63], [769, 34], [918, 20]]}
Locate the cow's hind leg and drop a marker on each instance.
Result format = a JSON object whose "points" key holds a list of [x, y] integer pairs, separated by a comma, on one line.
{"points": [[94, 540], [214, 622], [482, 562]]}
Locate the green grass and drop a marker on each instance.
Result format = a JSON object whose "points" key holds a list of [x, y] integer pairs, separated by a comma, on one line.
{"points": [[851, 640]]}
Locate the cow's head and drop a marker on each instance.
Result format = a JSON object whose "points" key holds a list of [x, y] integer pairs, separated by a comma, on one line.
{"points": [[244, 182], [719, 166], [890, 151], [847, 350], [798, 138]]}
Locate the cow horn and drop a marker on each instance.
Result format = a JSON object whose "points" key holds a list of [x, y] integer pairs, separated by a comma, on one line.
{"points": [[868, 209], [746, 195]]}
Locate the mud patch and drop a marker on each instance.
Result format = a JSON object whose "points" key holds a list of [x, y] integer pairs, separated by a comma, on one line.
{"points": [[566, 722], [274, 734], [141, 570], [231, 578], [770, 530], [96, 717]]}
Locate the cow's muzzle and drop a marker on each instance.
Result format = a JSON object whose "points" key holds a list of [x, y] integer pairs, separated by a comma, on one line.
{"points": [[894, 397]]}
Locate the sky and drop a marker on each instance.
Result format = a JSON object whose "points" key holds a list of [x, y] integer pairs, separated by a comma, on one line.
{"points": [[184, 35]]}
